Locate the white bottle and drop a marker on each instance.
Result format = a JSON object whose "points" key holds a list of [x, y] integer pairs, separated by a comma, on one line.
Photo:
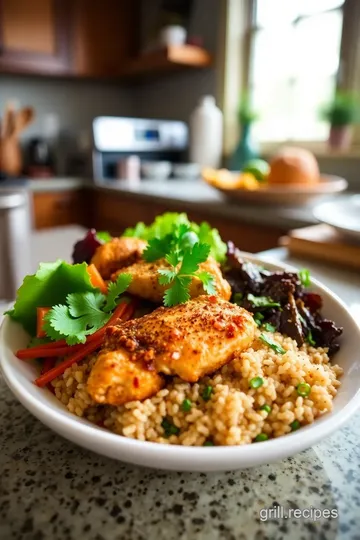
{"points": [[206, 133]]}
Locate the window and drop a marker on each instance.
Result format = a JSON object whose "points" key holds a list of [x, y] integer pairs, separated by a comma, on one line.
{"points": [[293, 66]]}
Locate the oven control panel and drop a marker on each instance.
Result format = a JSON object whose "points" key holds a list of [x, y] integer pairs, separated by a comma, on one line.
{"points": [[121, 134]]}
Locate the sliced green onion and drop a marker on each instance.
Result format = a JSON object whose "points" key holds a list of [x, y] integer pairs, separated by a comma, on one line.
{"points": [[295, 425], [274, 346], [304, 276], [169, 428], [208, 443], [262, 301], [310, 340], [303, 389], [256, 382], [186, 405], [269, 327], [258, 318], [206, 395], [238, 298], [302, 319], [261, 437], [266, 408]]}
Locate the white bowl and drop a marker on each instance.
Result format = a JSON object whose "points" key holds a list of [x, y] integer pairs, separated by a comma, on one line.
{"points": [[41, 403], [187, 171], [292, 194], [156, 170], [343, 215]]}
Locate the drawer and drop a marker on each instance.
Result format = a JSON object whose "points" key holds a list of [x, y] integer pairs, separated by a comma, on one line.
{"points": [[57, 208]]}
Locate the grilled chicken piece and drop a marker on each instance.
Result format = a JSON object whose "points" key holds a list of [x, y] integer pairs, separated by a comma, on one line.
{"points": [[116, 254], [146, 285], [116, 379], [189, 340]]}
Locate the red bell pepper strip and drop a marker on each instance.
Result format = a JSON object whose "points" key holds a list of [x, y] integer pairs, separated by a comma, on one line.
{"points": [[48, 364], [60, 348], [124, 311]]}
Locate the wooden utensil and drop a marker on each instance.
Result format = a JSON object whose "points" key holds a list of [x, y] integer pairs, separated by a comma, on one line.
{"points": [[22, 119], [10, 153], [7, 124]]}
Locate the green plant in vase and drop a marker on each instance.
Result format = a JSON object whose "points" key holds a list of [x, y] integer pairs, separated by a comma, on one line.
{"points": [[341, 113], [245, 150]]}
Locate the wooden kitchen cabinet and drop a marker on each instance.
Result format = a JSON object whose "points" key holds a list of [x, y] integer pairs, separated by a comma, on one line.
{"points": [[116, 212], [53, 209], [105, 36], [34, 36], [68, 37]]}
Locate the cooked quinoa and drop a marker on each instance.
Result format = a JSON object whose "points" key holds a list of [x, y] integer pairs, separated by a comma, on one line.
{"points": [[256, 395]]}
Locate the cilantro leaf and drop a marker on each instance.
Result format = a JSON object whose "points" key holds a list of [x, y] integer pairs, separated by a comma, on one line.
{"points": [[178, 225], [157, 248], [115, 289], [82, 304], [208, 282], [192, 258], [47, 287], [173, 237], [84, 313], [166, 275], [262, 301], [174, 257], [178, 293], [58, 324], [83, 316], [208, 235], [180, 279], [182, 229]]}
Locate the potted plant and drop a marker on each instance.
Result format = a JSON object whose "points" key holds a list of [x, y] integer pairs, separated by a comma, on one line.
{"points": [[245, 150], [341, 113]]}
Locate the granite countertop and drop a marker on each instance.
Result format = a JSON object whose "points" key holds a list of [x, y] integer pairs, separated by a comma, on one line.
{"points": [[199, 196], [52, 489], [190, 195], [39, 185]]}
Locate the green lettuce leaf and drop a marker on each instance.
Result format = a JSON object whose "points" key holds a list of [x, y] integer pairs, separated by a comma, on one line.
{"points": [[48, 287], [171, 222]]}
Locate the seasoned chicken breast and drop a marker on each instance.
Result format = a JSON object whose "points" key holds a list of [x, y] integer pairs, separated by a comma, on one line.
{"points": [[189, 340], [116, 254], [146, 285], [116, 379]]}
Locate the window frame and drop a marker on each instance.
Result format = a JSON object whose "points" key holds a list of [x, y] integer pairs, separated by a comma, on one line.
{"points": [[234, 69]]}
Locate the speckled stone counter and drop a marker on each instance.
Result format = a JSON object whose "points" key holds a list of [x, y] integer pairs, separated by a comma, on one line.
{"points": [[52, 489]]}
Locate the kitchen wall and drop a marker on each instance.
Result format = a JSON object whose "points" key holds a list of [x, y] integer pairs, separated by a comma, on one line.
{"points": [[347, 167], [74, 102], [176, 95]]}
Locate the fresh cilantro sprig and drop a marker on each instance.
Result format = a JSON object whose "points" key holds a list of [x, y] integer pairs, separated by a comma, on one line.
{"points": [[181, 272], [84, 313], [167, 223], [184, 253], [49, 286]]}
